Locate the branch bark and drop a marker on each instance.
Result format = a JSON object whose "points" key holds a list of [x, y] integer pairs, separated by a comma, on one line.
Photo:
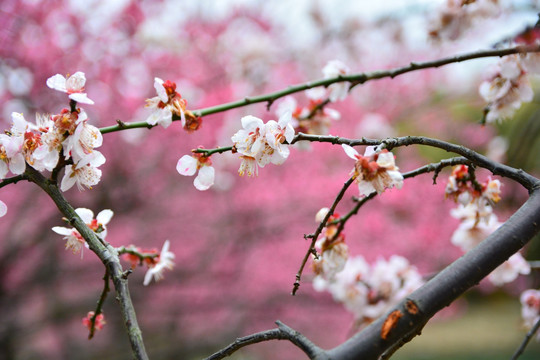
{"points": [[446, 286], [108, 256]]}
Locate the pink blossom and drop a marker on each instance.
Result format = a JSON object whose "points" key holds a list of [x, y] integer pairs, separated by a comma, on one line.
{"points": [[99, 322], [530, 308], [510, 270], [166, 104]]}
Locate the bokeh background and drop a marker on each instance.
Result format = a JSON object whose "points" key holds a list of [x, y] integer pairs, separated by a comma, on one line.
{"points": [[239, 245]]}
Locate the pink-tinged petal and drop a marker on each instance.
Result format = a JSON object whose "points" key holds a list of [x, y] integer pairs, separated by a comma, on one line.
{"points": [[57, 82], [85, 214], [20, 125], [104, 216], [62, 230], [187, 165], [365, 188], [386, 160], [161, 91], [350, 151], [3, 208], [289, 133], [205, 179], [81, 98]]}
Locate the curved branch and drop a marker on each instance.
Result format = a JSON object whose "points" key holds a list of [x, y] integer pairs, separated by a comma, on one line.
{"points": [[282, 333], [446, 286], [528, 181], [106, 253], [525, 341], [13, 180], [354, 79]]}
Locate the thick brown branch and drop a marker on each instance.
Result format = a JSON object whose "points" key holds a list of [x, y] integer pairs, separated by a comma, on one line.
{"points": [[447, 285]]}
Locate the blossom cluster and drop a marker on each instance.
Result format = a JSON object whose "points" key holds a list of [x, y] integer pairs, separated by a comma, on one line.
{"points": [[507, 87], [478, 221], [260, 144], [40, 145], [374, 171], [369, 291], [333, 251]]}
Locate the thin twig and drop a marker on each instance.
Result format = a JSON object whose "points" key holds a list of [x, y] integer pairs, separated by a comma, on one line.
{"points": [[317, 232], [283, 332], [13, 180], [526, 340], [354, 79], [100, 303]]}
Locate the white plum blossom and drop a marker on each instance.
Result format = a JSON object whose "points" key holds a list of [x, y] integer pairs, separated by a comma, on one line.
{"points": [[165, 104], [259, 144], [82, 142], [374, 171], [73, 85], [370, 291], [85, 173], [338, 91], [188, 166], [510, 270], [507, 89], [165, 261], [74, 240], [471, 232], [530, 308]]}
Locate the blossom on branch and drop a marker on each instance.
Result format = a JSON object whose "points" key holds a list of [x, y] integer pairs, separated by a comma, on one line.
{"points": [[166, 104], [338, 91], [530, 308], [260, 143], [74, 240], [85, 173], [333, 250], [98, 323], [159, 264], [73, 85], [507, 88], [374, 171], [3, 208], [188, 166]]}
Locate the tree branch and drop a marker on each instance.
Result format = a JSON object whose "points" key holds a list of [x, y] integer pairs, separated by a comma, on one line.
{"points": [[282, 333], [447, 285], [106, 253], [528, 338], [354, 79], [527, 180], [100, 303]]}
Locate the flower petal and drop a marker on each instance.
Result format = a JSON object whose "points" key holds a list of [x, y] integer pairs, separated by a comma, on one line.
{"points": [[205, 179], [85, 214], [104, 216], [187, 165], [350, 151], [161, 91], [57, 82]]}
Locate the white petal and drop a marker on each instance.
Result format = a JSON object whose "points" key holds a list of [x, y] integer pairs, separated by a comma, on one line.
{"points": [[104, 216], [69, 179], [57, 82], [386, 160], [187, 165], [284, 119], [3, 208], [81, 98], [162, 93], [62, 230], [251, 122], [17, 165], [75, 83], [205, 179], [350, 151], [85, 214]]}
